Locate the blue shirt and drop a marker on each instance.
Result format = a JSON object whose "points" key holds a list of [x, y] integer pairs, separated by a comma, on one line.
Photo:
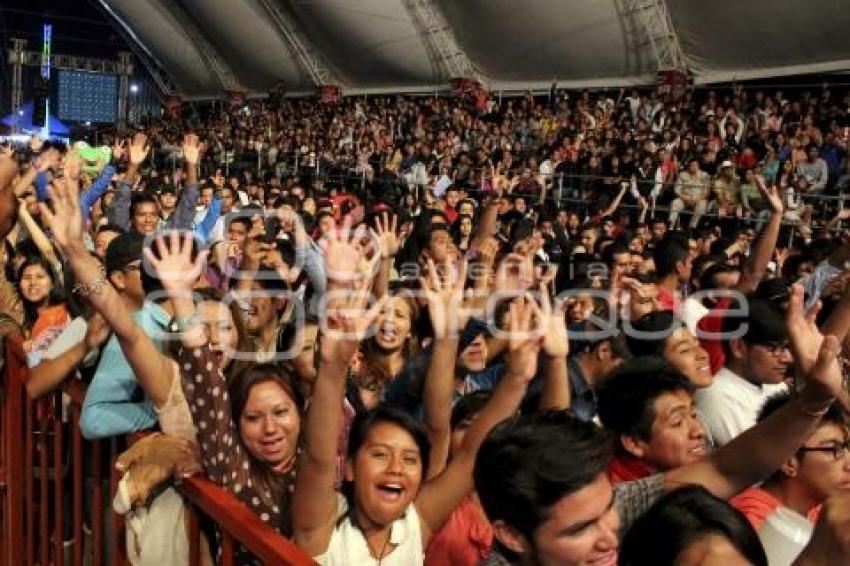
{"points": [[405, 391], [115, 404], [583, 398]]}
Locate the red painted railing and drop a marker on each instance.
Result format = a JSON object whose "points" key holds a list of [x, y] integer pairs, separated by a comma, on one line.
{"points": [[46, 466]]}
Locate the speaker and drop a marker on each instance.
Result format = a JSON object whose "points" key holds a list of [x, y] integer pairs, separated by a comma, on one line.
{"points": [[41, 91]]}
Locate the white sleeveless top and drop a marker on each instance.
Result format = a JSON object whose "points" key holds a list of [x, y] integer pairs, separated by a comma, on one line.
{"points": [[348, 546]]}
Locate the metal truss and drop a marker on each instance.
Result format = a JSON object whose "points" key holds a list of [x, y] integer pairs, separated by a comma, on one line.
{"points": [[123, 66], [306, 56], [654, 18], [440, 41], [207, 51], [156, 71]]}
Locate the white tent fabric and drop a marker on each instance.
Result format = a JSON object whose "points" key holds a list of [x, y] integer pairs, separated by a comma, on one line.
{"points": [[208, 46]]}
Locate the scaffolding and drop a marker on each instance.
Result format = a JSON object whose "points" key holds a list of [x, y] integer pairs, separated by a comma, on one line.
{"points": [[307, 57], [19, 57], [653, 18], [450, 59]]}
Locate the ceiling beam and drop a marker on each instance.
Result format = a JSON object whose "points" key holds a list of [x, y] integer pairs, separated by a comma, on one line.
{"points": [[451, 60], [155, 69], [308, 58]]}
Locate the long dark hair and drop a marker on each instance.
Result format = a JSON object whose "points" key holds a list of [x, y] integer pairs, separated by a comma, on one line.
{"points": [[54, 297], [270, 485], [681, 518]]}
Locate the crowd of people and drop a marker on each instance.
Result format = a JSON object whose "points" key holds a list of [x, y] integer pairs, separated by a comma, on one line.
{"points": [[585, 328]]}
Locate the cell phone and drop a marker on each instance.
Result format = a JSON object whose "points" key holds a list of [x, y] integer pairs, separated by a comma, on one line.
{"points": [[272, 228]]}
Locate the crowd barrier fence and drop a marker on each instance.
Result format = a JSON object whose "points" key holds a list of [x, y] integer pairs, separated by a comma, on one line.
{"points": [[56, 487]]}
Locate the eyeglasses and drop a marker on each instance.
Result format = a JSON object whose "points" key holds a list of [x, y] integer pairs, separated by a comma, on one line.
{"points": [[838, 449]]}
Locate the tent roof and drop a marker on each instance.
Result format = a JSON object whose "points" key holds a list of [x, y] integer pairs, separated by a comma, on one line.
{"points": [[208, 46]]}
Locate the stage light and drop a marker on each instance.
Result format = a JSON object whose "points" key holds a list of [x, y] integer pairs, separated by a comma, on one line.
{"points": [[134, 88]]}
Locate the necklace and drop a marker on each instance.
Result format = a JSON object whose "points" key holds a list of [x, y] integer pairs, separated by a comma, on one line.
{"points": [[380, 557]]}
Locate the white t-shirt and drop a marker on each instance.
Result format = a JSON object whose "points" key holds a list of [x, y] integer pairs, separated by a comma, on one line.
{"points": [[692, 313], [731, 404], [348, 546]]}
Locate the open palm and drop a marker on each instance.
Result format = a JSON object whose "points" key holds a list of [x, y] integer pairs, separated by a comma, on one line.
{"points": [[175, 267], [65, 219], [445, 299]]}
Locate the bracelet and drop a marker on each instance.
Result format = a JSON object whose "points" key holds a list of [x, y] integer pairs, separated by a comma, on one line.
{"points": [[93, 287]]}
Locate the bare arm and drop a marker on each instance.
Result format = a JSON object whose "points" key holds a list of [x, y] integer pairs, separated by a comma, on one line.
{"points": [[448, 317], [758, 452], [39, 238], [47, 375], [439, 497], [487, 224], [314, 504], [556, 348], [756, 264], [386, 236], [150, 366]]}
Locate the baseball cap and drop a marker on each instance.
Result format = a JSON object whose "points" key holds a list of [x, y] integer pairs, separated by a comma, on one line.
{"points": [[470, 332], [726, 164], [123, 250]]}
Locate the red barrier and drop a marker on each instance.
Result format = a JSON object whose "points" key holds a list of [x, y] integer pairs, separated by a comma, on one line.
{"points": [[238, 523], [40, 451]]}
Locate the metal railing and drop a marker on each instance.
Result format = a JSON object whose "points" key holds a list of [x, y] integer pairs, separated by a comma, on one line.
{"points": [[47, 468]]}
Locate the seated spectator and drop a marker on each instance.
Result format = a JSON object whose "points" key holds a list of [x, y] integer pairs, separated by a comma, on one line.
{"points": [[726, 188], [814, 170], [692, 191]]}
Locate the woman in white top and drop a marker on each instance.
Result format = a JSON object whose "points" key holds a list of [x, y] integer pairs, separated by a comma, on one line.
{"points": [[389, 510]]}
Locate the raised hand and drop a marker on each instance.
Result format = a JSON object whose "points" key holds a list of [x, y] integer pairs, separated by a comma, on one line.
{"points": [[192, 149], [386, 234], [525, 341], [174, 267], [66, 218], [72, 164], [770, 194], [445, 294], [803, 333], [119, 149], [139, 149], [346, 320], [815, 356], [553, 322], [345, 253]]}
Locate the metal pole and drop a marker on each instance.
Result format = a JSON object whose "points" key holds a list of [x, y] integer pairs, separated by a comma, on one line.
{"points": [[126, 66]]}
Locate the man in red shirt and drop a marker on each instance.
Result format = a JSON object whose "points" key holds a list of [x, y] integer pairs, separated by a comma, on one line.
{"points": [[673, 263]]}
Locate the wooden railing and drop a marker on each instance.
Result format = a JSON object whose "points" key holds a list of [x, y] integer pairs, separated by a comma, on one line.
{"points": [[46, 465]]}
